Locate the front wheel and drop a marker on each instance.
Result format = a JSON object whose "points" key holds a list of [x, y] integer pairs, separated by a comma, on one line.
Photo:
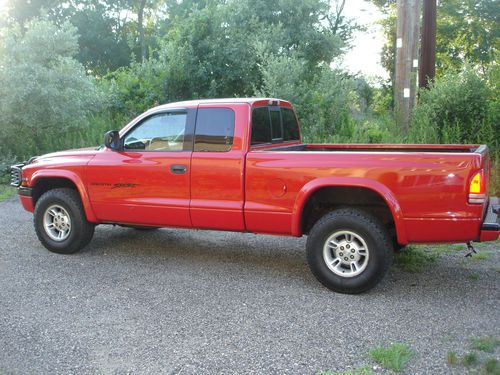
{"points": [[60, 222], [349, 251]]}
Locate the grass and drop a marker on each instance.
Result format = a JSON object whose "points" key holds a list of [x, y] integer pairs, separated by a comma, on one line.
{"points": [[451, 358], [492, 367], [6, 191], [485, 344], [393, 358], [360, 371], [480, 256], [470, 359], [414, 259], [447, 249], [473, 277]]}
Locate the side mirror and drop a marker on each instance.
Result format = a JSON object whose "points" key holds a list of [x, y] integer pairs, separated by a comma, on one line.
{"points": [[112, 140]]}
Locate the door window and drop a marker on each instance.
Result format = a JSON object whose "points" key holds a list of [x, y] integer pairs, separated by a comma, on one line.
{"points": [[160, 132], [214, 129]]}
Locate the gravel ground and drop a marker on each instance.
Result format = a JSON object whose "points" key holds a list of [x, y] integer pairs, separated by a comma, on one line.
{"points": [[198, 302]]}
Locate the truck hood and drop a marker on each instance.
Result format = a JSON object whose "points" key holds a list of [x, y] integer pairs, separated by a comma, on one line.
{"points": [[80, 154]]}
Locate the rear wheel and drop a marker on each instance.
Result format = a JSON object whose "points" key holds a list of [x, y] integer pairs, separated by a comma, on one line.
{"points": [[349, 251], [60, 221]]}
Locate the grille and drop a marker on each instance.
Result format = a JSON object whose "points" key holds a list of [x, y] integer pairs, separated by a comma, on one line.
{"points": [[16, 175]]}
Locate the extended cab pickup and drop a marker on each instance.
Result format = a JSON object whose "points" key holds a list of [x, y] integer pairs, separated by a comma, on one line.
{"points": [[240, 165]]}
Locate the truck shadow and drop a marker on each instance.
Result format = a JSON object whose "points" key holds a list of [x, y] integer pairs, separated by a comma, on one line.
{"points": [[226, 252], [206, 249]]}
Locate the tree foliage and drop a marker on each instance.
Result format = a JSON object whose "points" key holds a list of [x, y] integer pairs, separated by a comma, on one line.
{"points": [[468, 32], [458, 108], [219, 48], [114, 38], [44, 91]]}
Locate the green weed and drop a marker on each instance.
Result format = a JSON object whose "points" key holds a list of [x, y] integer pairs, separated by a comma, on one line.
{"points": [[6, 191], [492, 367], [480, 256], [486, 344], [393, 358], [451, 358], [470, 359], [414, 259]]}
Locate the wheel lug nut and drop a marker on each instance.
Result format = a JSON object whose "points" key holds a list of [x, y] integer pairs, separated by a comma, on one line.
{"points": [[341, 254], [346, 258], [352, 256], [348, 246], [341, 247], [353, 251]]}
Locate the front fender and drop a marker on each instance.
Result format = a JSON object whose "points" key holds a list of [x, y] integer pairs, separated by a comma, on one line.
{"points": [[75, 179], [379, 188]]}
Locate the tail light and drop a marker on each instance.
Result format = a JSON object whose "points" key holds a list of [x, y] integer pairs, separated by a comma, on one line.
{"points": [[477, 188]]}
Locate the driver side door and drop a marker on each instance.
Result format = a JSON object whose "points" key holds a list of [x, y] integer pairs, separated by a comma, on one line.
{"points": [[147, 182]]}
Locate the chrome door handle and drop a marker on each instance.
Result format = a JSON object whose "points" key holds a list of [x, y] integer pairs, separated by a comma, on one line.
{"points": [[178, 169]]}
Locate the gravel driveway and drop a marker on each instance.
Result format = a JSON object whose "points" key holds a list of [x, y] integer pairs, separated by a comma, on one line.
{"points": [[198, 302]]}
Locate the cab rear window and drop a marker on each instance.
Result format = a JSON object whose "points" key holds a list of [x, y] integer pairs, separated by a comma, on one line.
{"points": [[290, 125], [274, 124]]}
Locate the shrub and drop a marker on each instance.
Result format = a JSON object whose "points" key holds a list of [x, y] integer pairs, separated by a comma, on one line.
{"points": [[44, 92], [457, 108], [324, 101]]}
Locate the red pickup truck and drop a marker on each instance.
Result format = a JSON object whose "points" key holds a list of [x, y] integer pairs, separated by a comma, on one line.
{"points": [[239, 165]]}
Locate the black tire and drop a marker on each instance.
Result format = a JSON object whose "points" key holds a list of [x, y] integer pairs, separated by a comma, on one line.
{"points": [[367, 228], [81, 230]]}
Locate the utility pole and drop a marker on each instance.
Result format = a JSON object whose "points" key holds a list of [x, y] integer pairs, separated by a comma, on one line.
{"points": [[428, 49], [407, 37]]}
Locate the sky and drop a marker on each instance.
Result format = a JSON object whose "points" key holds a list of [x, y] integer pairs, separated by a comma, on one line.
{"points": [[365, 55], [2, 6]]}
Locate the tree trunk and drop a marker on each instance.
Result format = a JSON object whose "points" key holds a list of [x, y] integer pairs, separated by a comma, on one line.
{"points": [[140, 21], [428, 49], [405, 85]]}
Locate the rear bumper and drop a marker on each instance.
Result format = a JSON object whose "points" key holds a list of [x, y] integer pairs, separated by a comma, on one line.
{"points": [[490, 229]]}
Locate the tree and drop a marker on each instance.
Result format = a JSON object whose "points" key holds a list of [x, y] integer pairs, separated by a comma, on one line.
{"points": [[119, 27], [468, 31], [216, 48], [44, 91], [140, 22]]}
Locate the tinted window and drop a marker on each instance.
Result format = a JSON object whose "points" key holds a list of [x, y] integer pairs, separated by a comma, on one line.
{"points": [[261, 126], [290, 125], [162, 132], [214, 129], [276, 124]]}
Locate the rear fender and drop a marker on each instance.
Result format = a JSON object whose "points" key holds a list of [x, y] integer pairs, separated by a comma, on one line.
{"points": [[383, 191]]}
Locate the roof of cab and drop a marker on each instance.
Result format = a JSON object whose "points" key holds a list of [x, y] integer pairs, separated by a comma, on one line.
{"points": [[195, 103]]}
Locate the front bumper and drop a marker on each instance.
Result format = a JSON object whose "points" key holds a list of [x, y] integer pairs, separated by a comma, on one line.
{"points": [[490, 229], [25, 196]]}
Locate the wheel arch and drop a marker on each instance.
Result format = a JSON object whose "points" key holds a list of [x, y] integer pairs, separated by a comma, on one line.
{"points": [[45, 180], [383, 192]]}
